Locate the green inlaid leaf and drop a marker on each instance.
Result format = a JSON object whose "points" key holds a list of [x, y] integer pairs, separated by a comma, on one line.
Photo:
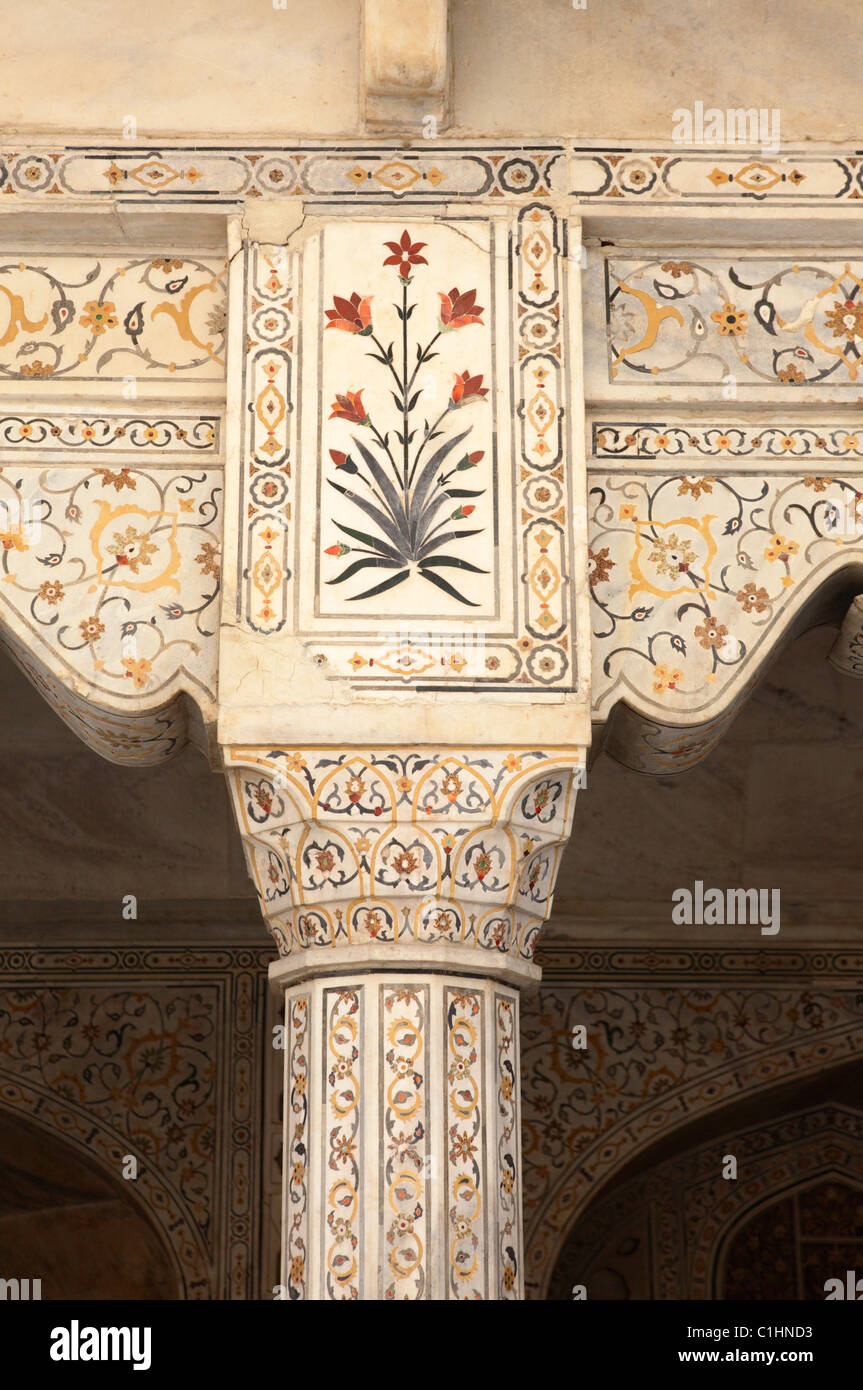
{"points": [[379, 588], [358, 565], [454, 562], [447, 587], [371, 541]]}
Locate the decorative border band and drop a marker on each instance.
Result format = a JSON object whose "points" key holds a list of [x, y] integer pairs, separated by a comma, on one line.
{"points": [[369, 173], [184, 436], [627, 439]]}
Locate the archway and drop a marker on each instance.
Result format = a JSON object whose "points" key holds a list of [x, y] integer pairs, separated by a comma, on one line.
{"points": [[64, 1222]]}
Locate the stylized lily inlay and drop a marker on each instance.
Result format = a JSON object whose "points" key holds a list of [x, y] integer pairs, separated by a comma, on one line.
{"points": [[406, 490]]}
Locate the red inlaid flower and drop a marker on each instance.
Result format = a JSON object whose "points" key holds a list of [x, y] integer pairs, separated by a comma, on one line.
{"points": [[405, 253], [458, 310], [349, 407], [352, 315], [466, 387]]}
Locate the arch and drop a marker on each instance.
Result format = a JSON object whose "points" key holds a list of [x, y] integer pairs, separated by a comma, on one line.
{"points": [[635, 1123], [833, 1173], [64, 1221], [663, 1232], [105, 1149]]}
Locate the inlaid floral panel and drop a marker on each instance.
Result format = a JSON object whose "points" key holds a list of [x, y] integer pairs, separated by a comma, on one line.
{"points": [[343, 1161], [407, 1162], [430, 409], [728, 325], [100, 317], [695, 576], [110, 575]]}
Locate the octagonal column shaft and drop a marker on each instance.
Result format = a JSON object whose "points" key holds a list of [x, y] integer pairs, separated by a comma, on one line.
{"points": [[402, 1146]]}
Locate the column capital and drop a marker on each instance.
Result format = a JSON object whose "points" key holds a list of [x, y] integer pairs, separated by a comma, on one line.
{"points": [[442, 859]]}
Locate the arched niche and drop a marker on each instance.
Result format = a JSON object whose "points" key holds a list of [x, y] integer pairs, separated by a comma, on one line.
{"points": [[65, 1222]]}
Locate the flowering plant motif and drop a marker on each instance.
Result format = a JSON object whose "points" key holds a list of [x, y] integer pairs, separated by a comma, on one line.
{"points": [[406, 491]]}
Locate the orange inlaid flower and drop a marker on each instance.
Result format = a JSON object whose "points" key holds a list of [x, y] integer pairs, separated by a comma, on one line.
{"points": [[458, 310], [467, 387], [665, 679], [730, 322], [780, 549], [405, 253], [137, 670], [352, 315], [98, 317], [349, 407]]}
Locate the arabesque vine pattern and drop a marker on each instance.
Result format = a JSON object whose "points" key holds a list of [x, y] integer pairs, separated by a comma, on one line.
{"points": [[342, 1235], [109, 316], [405, 1125], [466, 1185], [508, 1167], [295, 1235], [755, 319], [692, 576], [116, 572]]}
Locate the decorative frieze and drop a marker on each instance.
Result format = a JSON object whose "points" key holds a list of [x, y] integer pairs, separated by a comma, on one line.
{"points": [[133, 438], [432, 171], [366, 173], [657, 442], [673, 175]]}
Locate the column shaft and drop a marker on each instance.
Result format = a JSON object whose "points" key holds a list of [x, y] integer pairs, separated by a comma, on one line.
{"points": [[402, 1153]]}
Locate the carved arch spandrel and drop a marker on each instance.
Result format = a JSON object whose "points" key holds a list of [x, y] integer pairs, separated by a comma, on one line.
{"points": [[106, 1150], [662, 704], [109, 600]]}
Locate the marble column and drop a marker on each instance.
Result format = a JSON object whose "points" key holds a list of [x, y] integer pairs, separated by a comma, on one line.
{"points": [[405, 890]]}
